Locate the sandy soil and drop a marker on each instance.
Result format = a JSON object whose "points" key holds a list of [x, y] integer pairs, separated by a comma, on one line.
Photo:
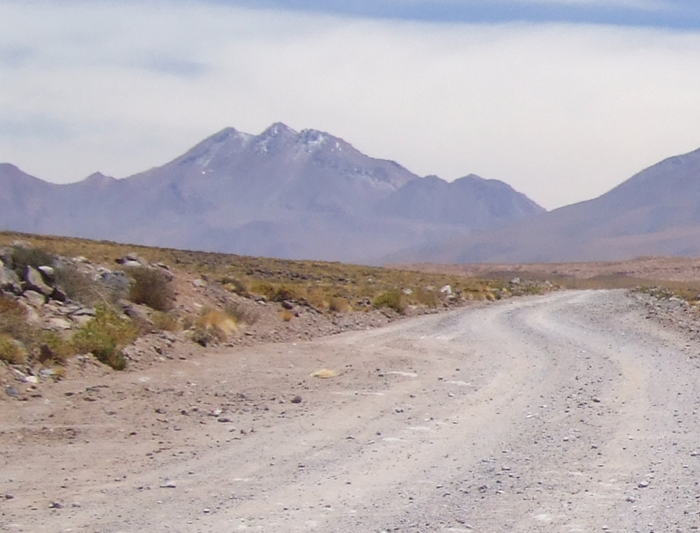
{"points": [[571, 412]]}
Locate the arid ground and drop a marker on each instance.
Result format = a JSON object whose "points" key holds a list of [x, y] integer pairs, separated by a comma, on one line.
{"points": [[570, 412]]}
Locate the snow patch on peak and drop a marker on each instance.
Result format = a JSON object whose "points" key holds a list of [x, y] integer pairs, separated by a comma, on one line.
{"points": [[277, 129]]}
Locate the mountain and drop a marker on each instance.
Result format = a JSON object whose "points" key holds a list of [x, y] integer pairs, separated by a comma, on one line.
{"points": [[282, 193], [655, 212]]}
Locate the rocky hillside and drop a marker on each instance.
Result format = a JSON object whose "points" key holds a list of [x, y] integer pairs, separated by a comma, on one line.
{"points": [[67, 303], [282, 194]]}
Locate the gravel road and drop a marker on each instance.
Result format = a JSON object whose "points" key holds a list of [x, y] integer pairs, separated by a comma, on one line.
{"points": [[571, 412]]}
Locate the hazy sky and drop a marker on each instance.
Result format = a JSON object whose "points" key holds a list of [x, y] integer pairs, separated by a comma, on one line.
{"points": [[562, 99]]}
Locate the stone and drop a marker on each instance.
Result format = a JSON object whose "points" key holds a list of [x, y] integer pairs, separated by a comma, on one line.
{"points": [[58, 323], [446, 289], [59, 295], [35, 281], [33, 298], [48, 273], [9, 280]]}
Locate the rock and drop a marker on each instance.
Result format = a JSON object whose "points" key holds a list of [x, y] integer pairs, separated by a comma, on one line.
{"points": [[296, 399], [199, 283], [59, 295], [48, 273], [33, 298], [9, 280], [35, 281], [447, 289], [515, 281], [58, 323]]}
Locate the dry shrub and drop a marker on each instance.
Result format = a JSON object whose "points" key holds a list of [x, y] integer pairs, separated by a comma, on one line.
{"points": [[242, 314], [12, 351], [213, 326], [164, 321], [392, 299], [151, 287], [54, 348], [337, 304], [275, 293], [79, 287], [234, 285], [427, 298], [105, 336], [287, 315], [13, 322]]}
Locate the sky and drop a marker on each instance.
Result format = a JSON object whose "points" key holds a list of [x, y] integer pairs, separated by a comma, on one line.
{"points": [[562, 99]]}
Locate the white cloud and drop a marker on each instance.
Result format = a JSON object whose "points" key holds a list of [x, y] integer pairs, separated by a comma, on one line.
{"points": [[561, 112]]}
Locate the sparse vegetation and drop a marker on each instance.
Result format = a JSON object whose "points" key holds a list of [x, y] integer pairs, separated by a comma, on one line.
{"points": [[212, 326], [23, 256], [150, 287], [105, 336], [11, 350], [392, 299], [80, 287], [163, 321]]}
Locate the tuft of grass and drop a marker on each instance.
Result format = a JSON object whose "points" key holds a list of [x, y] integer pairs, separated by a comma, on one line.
{"points": [[286, 315], [234, 285], [212, 326], [337, 304], [11, 350], [242, 314], [150, 287], [54, 348], [13, 322], [392, 299], [164, 321], [105, 336]]}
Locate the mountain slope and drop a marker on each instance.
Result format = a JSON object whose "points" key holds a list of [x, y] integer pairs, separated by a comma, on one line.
{"points": [[656, 212], [282, 193]]}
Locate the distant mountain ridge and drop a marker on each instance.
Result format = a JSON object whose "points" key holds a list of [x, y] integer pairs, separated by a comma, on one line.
{"points": [[655, 212], [282, 193]]}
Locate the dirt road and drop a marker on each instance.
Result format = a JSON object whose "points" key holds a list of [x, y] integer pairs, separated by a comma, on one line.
{"points": [[569, 413]]}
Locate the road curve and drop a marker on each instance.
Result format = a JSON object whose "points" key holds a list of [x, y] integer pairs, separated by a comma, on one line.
{"points": [[570, 412]]}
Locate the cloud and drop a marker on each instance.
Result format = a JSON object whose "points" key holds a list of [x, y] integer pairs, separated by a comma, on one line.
{"points": [[560, 111]]}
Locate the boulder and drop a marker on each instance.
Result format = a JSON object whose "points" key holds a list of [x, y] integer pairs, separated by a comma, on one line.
{"points": [[34, 281], [9, 281]]}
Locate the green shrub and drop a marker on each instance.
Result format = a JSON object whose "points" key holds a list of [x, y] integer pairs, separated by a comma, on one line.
{"points": [[151, 287], [392, 299], [22, 257], [105, 336]]}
